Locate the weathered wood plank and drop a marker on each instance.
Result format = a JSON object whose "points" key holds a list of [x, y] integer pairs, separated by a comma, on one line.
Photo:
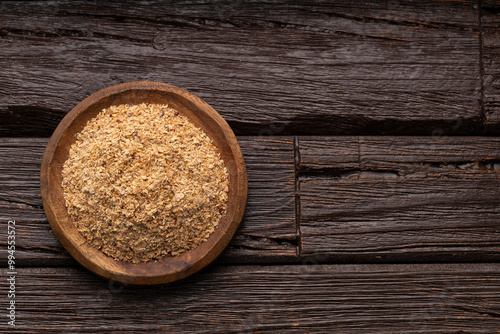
{"points": [[272, 68], [411, 153], [266, 299], [267, 233], [490, 24], [426, 199]]}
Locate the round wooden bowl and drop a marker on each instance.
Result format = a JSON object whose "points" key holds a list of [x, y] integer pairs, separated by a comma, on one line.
{"points": [[167, 269]]}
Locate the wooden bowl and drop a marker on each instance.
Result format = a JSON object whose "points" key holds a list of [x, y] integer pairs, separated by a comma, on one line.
{"points": [[167, 269]]}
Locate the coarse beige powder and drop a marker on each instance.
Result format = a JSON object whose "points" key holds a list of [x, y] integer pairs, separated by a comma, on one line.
{"points": [[142, 182]]}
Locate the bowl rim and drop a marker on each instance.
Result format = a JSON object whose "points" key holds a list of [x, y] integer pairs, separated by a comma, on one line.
{"points": [[167, 269]]}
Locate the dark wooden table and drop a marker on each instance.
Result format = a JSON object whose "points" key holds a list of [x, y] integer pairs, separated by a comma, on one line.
{"points": [[371, 136]]}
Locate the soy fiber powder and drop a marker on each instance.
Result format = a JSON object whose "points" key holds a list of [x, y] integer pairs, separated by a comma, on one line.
{"points": [[142, 182]]}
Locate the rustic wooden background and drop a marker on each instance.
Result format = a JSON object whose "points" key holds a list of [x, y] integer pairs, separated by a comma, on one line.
{"points": [[371, 136]]}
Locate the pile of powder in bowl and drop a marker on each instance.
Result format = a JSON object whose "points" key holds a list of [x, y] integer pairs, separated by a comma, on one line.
{"points": [[142, 182]]}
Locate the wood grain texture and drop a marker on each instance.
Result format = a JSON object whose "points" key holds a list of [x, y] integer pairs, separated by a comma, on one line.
{"points": [[272, 68], [20, 177], [267, 233], [447, 298], [401, 155], [490, 24], [399, 199]]}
